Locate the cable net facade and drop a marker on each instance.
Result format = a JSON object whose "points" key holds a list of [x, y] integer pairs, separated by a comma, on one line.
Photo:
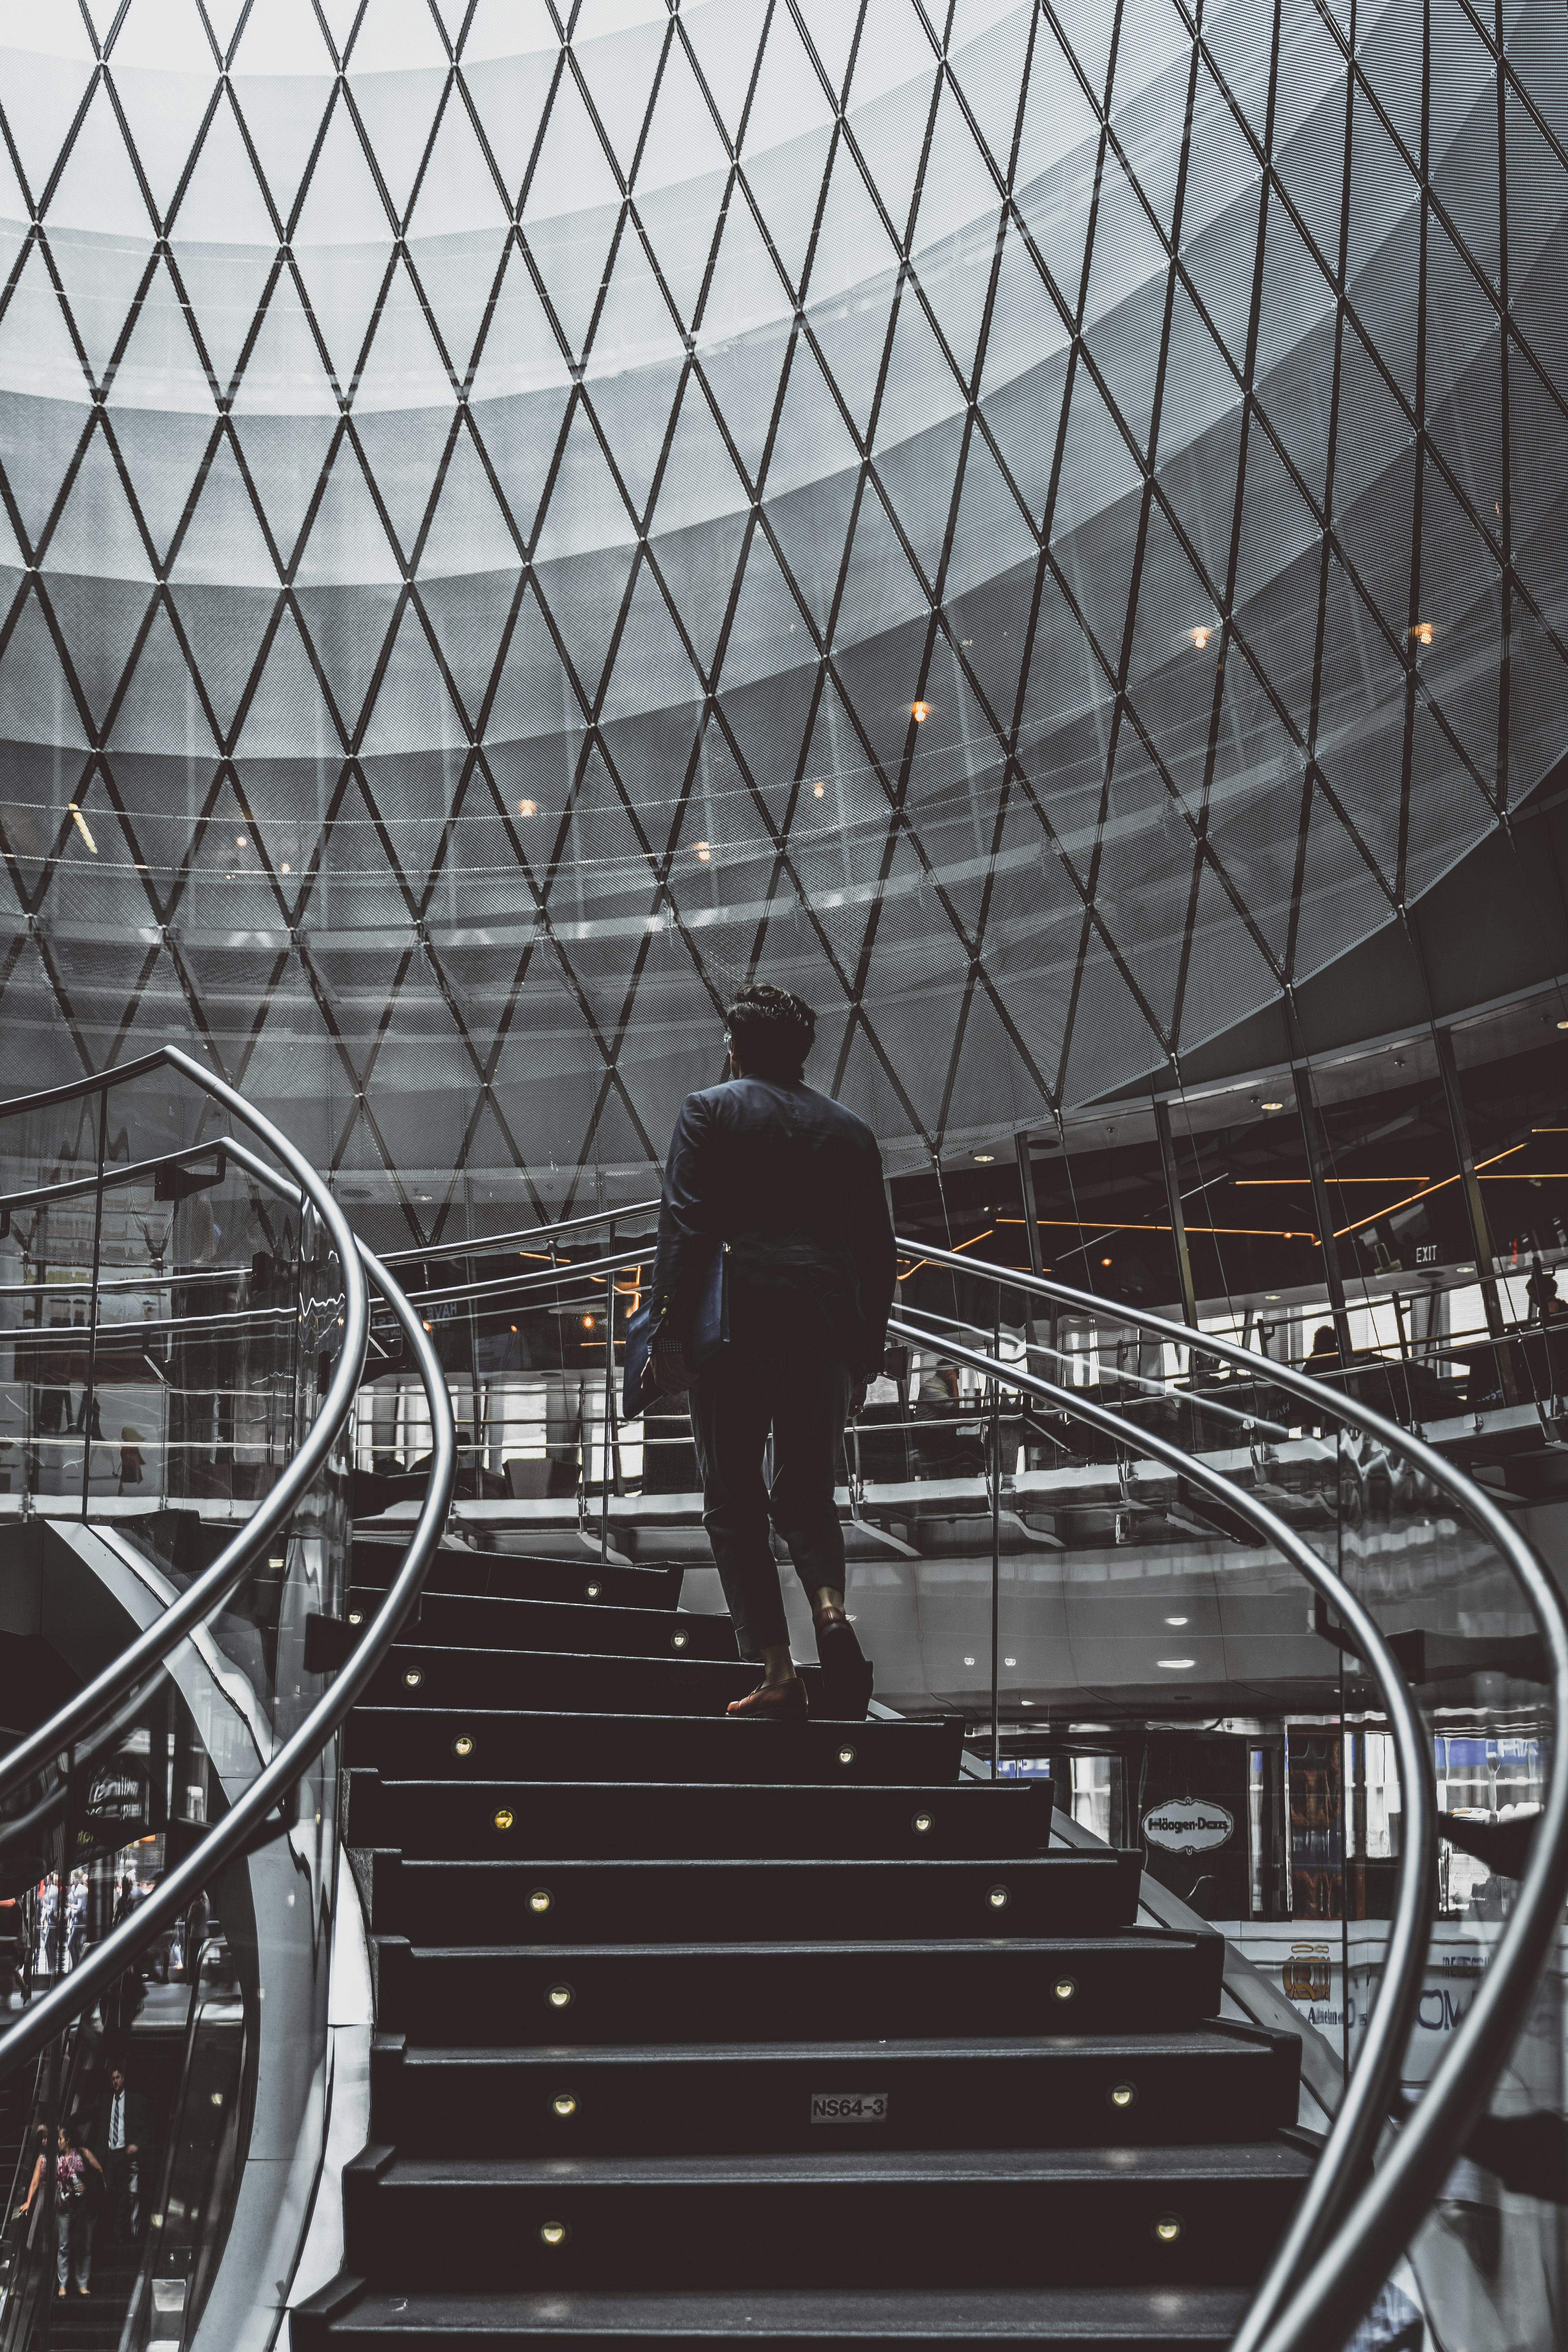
{"points": [[1033, 526]]}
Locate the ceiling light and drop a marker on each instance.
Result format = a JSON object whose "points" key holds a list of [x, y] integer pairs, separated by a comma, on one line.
{"points": [[240, 842], [704, 852], [80, 823], [1088, 1727], [286, 867], [1176, 1621], [817, 791], [1422, 633], [526, 808], [587, 1322], [1009, 1662], [1025, 1701], [1563, 1025], [1200, 637], [919, 712], [1175, 1666], [1105, 1261], [1279, 1106], [969, 1662], [986, 1158]]}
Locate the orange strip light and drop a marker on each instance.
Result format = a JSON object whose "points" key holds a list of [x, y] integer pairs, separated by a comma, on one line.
{"points": [[1440, 1187]]}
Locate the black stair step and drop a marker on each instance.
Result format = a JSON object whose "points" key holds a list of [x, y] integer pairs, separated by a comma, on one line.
{"points": [[747, 1902], [417, 1742], [1182, 2216], [457, 1568], [571, 1683], [788, 1991], [1210, 2084], [839, 2319], [601, 1821], [472, 1621]]}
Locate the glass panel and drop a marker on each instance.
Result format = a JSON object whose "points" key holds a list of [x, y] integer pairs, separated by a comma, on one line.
{"points": [[172, 1333]]}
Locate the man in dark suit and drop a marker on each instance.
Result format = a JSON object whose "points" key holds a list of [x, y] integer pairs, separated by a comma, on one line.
{"points": [[790, 1184], [120, 2125]]}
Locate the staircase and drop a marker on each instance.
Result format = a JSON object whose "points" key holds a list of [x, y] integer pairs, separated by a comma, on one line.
{"points": [[699, 2032]]}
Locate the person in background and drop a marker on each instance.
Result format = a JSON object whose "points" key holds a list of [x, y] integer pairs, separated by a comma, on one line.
{"points": [[73, 2227], [132, 1462], [120, 2135], [790, 1184]]}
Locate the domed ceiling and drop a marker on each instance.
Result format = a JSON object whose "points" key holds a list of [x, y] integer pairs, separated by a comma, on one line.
{"points": [[1030, 527]]}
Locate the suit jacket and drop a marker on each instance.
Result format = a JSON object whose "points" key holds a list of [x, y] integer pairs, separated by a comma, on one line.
{"points": [[792, 1182], [138, 2123]]}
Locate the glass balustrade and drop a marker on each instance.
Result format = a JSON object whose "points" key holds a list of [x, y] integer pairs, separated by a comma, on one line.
{"points": [[168, 1325]]}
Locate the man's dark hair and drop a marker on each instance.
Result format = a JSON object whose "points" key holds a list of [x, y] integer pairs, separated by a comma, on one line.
{"points": [[772, 1030]]}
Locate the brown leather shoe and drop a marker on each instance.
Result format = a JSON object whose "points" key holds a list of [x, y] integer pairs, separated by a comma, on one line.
{"points": [[775, 1702]]}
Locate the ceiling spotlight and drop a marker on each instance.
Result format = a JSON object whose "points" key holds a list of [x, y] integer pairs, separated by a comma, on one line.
{"points": [[919, 712], [1563, 1025], [587, 1322], [704, 852], [817, 791], [1176, 1621], [527, 808], [1175, 1666], [286, 867], [986, 1158], [81, 822], [1200, 637], [1105, 1261], [1422, 633], [1271, 1106]]}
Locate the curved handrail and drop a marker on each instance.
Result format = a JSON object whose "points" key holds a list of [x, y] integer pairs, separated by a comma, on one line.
{"points": [[1372, 2088], [487, 1243], [1347, 2269], [45, 2017], [80, 1713]]}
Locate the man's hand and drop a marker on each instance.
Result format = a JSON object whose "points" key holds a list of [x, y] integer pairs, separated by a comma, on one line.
{"points": [[669, 1373]]}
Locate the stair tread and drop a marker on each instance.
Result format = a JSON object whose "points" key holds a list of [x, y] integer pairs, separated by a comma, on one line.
{"points": [[1204, 2041], [664, 1617], [903, 1948], [879, 1727], [905, 1791], [1031, 2314], [1216, 2161], [1063, 1863]]}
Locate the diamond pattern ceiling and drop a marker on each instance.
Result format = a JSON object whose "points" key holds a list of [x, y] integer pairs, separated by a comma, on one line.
{"points": [[1036, 526]]}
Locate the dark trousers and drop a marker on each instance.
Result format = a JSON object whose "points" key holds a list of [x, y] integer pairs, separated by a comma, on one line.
{"points": [[803, 1398], [119, 2188]]}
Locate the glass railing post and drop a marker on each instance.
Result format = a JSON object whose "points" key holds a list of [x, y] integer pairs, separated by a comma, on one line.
{"points": [[607, 1430], [996, 1535]]}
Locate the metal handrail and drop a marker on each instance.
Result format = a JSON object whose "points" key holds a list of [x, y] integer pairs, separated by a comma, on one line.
{"points": [[33, 1755], [488, 1242], [1372, 2088], [1298, 2309], [249, 1814]]}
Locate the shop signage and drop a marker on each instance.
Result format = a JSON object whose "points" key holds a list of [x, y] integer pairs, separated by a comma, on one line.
{"points": [[117, 1799], [1307, 1973], [1188, 1825]]}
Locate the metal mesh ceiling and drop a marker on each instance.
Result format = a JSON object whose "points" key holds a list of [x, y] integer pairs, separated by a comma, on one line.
{"points": [[1036, 526]]}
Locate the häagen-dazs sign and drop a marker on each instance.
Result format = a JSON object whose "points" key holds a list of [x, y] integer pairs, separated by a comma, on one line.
{"points": [[1187, 1825]]}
